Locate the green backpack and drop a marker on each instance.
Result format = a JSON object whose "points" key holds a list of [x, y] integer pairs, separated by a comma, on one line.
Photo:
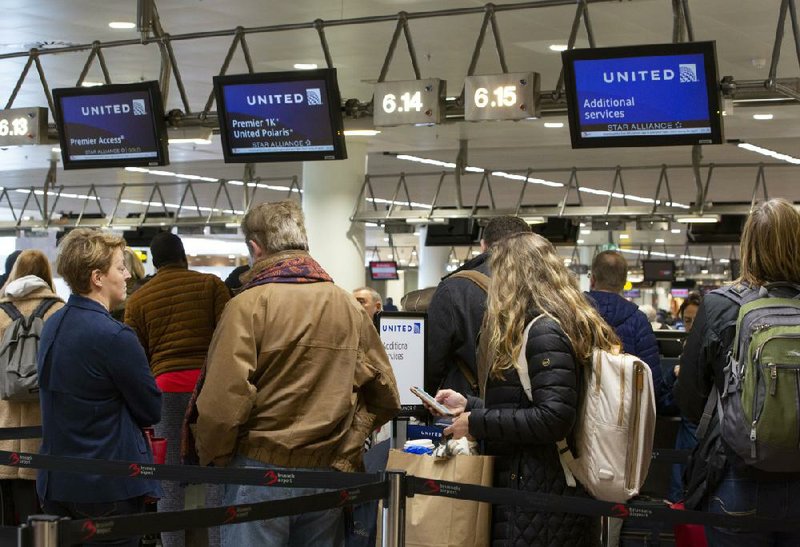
{"points": [[759, 407]]}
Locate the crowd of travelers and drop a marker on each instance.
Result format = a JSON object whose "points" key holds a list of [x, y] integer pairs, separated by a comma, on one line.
{"points": [[279, 367]]}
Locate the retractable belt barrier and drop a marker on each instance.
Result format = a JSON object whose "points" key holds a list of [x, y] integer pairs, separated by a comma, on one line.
{"points": [[346, 489], [190, 473], [18, 433], [107, 528], [551, 503]]}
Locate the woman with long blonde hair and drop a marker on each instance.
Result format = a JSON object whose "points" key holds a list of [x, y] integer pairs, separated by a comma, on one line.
{"points": [[529, 280]]}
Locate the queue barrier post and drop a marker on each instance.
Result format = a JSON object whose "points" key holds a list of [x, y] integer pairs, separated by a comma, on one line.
{"points": [[394, 511], [45, 530]]}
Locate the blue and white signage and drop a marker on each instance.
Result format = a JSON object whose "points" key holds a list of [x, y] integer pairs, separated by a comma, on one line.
{"points": [[403, 337], [659, 95], [278, 117], [656, 92], [113, 126]]}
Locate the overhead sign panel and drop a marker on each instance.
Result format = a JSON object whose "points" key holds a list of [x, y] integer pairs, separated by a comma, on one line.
{"points": [[409, 102], [111, 126], [20, 126], [647, 95], [511, 96], [280, 116]]}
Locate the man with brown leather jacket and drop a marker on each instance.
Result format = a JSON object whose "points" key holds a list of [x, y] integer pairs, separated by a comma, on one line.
{"points": [[297, 378]]}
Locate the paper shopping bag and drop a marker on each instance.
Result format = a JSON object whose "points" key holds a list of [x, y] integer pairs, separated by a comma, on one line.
{"points": [[433, 521]]}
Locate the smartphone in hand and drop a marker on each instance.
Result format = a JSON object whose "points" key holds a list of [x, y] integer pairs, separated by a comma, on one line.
{"points": [[428, 399]]}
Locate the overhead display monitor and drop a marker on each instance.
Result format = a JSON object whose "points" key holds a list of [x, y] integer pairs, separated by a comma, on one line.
{"points": [[280, 116], [118, 125], [658, 270], [383, 269], [649, 95]]}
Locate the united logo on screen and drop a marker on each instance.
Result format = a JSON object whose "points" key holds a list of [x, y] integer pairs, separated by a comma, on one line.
{"points": [[314, 96], [417, 328], [139, 108], [688, 73]]}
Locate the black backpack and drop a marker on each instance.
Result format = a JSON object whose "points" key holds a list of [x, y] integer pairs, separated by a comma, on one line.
{"points": [[19, 380]]}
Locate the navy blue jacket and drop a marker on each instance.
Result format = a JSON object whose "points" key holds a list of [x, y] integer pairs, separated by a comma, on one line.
{"points": [[96, 394], [636, 333]]}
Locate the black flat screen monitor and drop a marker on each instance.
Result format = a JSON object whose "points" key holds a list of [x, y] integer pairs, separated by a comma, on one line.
{"points": [[280, 116], [648, 95], [383, 269], [119, 125], [457, 231], [658, 270]]}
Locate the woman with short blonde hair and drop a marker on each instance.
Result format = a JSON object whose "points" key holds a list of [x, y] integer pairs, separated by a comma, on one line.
{"points": [[95, 386]]}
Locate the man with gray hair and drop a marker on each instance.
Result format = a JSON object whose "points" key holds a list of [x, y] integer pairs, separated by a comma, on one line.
{"points": [[296, 378], [371, 300]]}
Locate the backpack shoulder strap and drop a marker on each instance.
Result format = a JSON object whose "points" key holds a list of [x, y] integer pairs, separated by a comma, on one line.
{"points": [[43, 306], [480, 279], [522, 360], [740, 294], [11, 310]]}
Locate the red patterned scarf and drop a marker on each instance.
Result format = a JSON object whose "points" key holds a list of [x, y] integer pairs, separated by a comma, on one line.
{"points": [[294, 269]]}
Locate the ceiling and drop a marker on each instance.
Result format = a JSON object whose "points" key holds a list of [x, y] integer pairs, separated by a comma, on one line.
{"points": [[744, 32]]}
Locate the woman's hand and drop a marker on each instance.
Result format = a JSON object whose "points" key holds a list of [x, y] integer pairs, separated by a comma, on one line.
{"points": [[460, 427], [453, 400]]}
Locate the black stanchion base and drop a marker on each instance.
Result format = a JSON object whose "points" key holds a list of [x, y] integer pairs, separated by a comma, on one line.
{"points": [[151, 540]]}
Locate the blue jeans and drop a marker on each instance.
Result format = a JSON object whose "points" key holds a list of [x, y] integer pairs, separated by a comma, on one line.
{"points": [[685, 440], [323, 528], [737, 495]]}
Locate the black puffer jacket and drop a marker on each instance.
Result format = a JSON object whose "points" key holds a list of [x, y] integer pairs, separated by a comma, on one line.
{"points": [[455, 315], [522, 436]]}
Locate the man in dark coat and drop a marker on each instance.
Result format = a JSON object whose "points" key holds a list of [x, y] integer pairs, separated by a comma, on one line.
{"points": [[456, 312], [609, 274]]}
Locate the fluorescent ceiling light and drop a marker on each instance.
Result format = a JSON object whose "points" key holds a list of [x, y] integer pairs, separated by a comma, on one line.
{"points": [[534, 220], [305, 66], [122, 25], [698, 219], [771, 153], [624, 236], [659, 240], [579, 242], [361, 132], [558, 47], [676, 230], [554, 125], [91, 84], [189, 141], [762, 116]]}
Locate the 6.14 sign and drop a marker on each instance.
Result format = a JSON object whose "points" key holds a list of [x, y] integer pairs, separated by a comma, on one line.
{"points": [[409, 102]]}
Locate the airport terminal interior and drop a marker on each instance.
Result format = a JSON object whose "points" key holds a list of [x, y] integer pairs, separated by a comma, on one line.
{"points": [[439, 115], [470, 169]]}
